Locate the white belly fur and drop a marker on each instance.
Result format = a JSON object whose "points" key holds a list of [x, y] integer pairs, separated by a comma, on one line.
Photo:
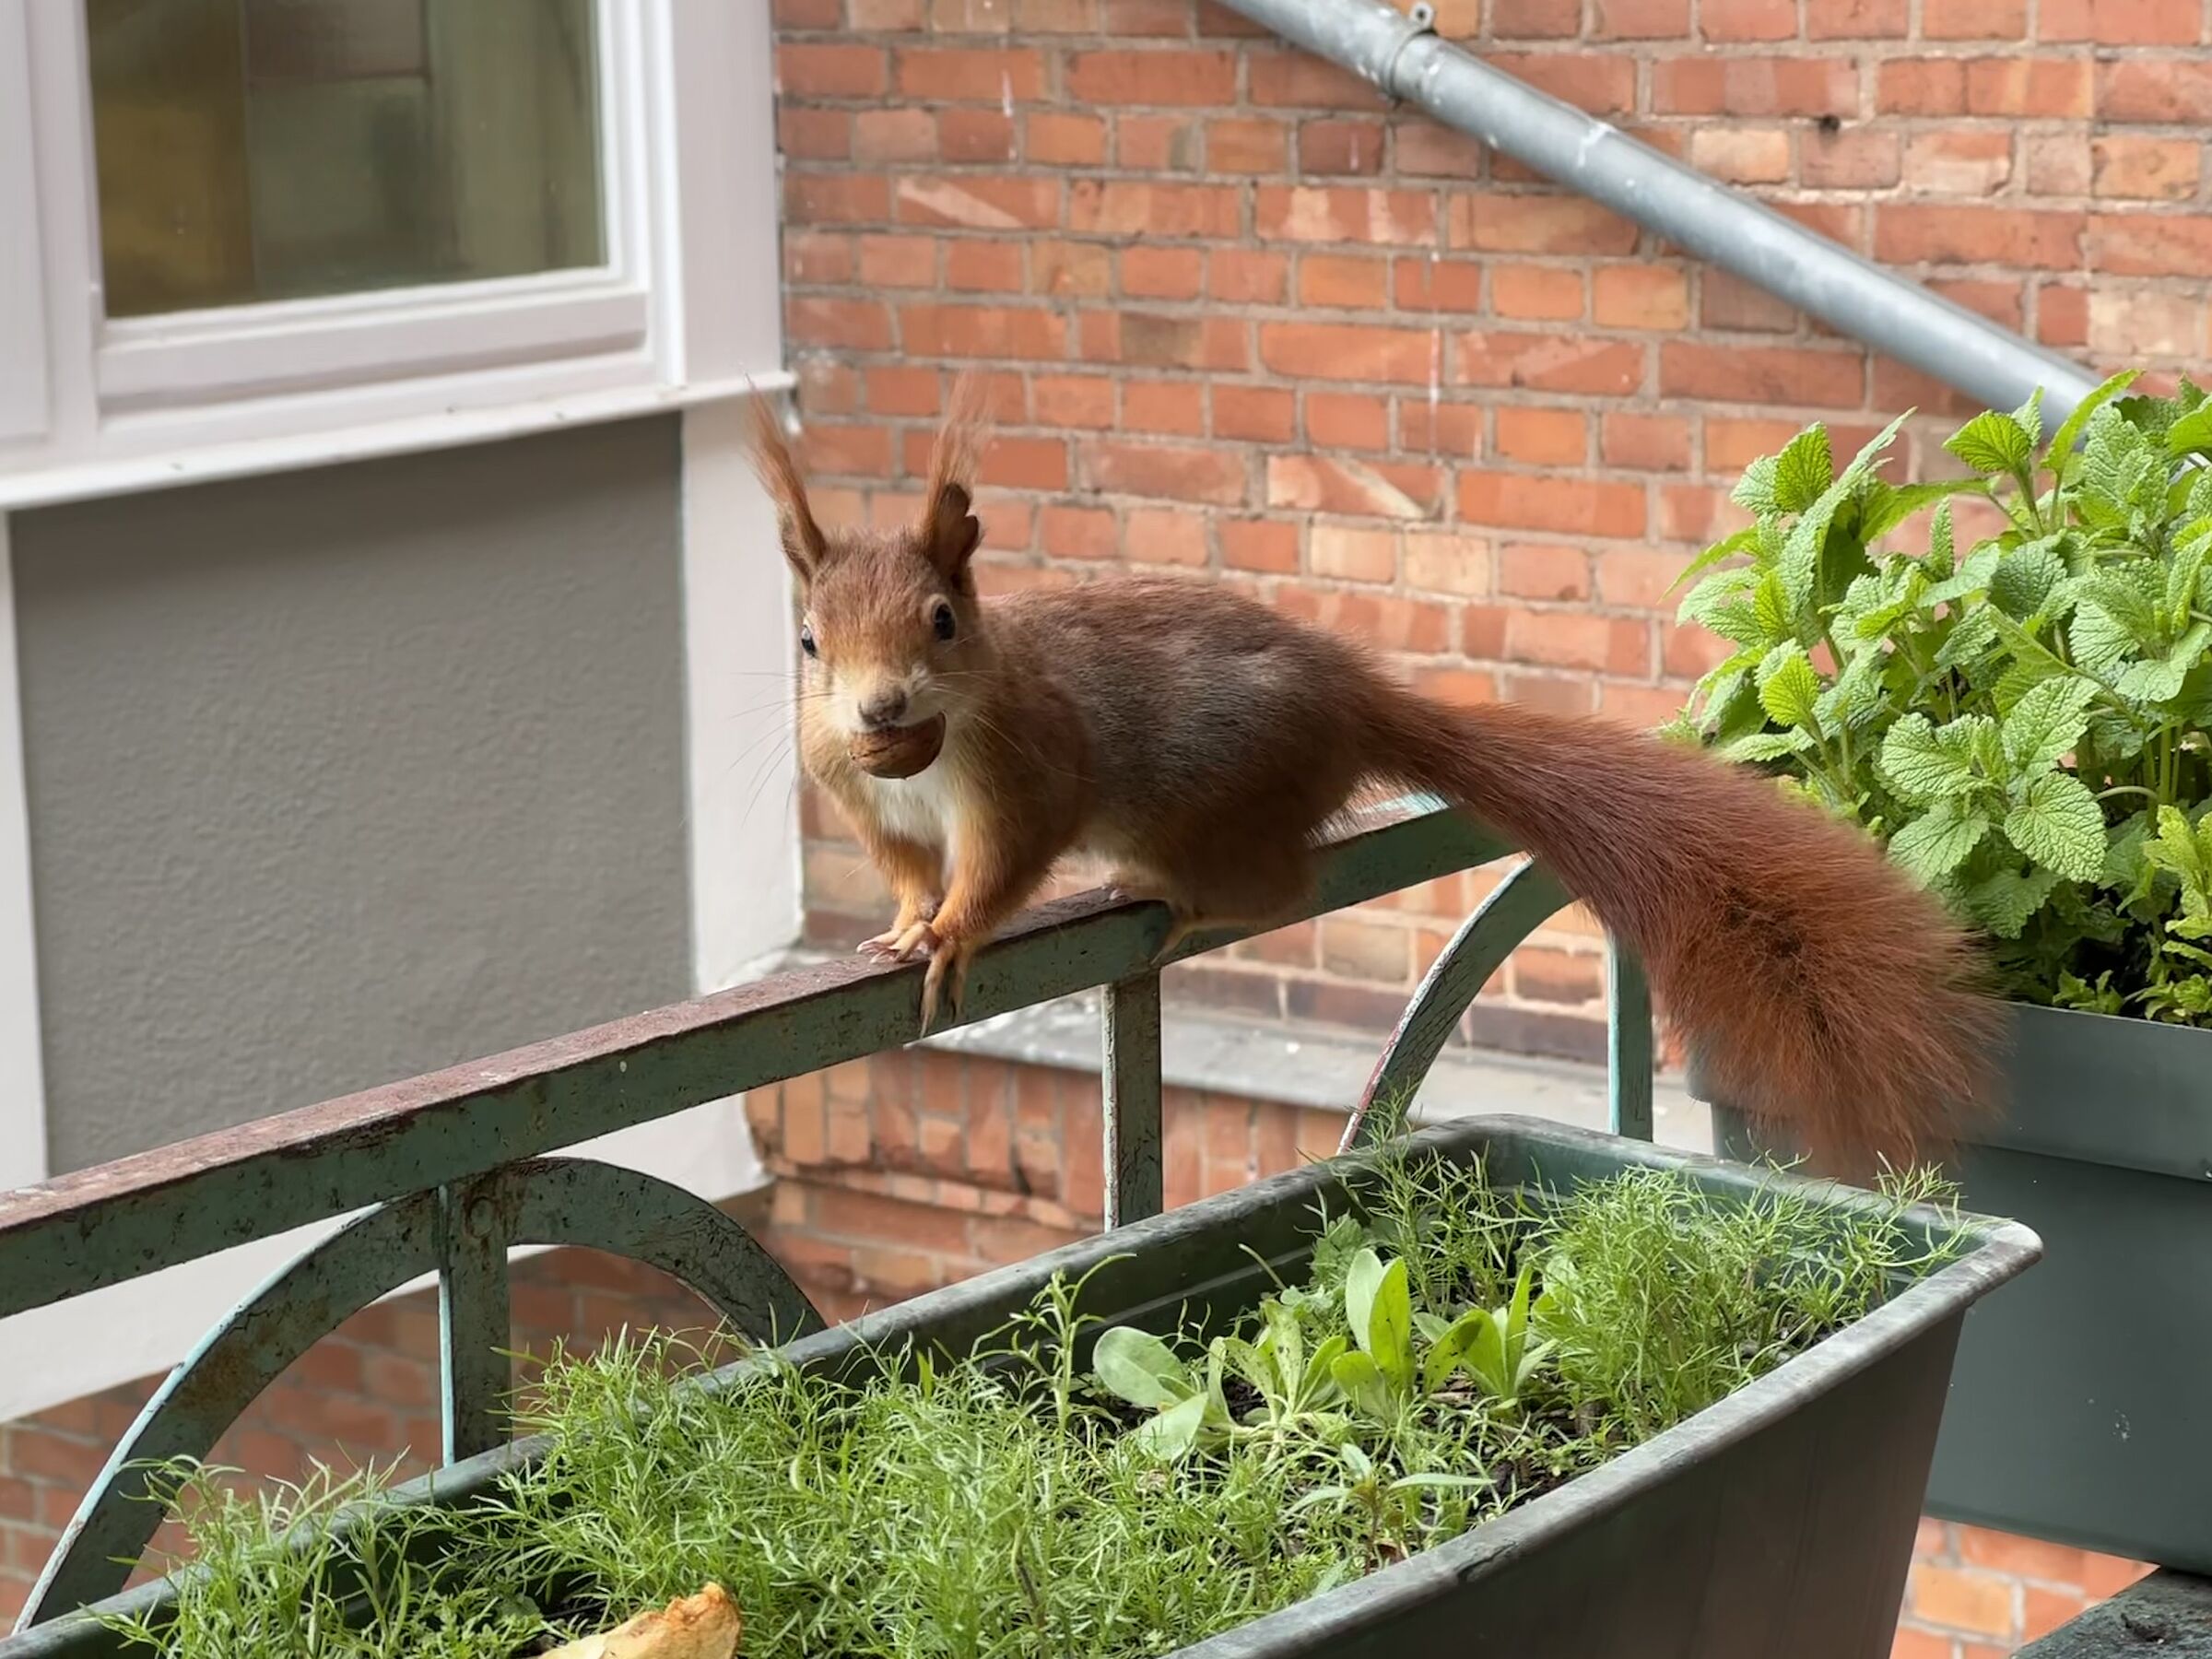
{"points": [[924, 808]]}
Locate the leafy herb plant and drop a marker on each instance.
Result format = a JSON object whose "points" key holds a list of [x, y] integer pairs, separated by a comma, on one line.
{"points": [[2024, 721], [1019, 1503]]}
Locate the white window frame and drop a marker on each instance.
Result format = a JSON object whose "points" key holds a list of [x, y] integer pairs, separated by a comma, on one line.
{"points": [[88, 403], [90, 409]]}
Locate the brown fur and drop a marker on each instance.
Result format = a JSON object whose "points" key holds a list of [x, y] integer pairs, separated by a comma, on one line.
{"points": [[1199, 743]]}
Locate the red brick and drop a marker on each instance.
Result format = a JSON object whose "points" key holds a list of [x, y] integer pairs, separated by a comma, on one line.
{"points": [[1959, 233], [1755, 85], [1530, 293], [1635, 296], [981, 331], [1332, 214], [1641, 19], [1164, 340], [1057, 138], [1336, 484], [1536, 224], [2163, 170], [1181, 473], [1161, 537], [1351, 553], [1125, 207], [1638, 578], [898, 261], [971, 74], [1346, 420], [969, 136], [1266, 545], [1340, 146], [814, 134], [835, 198], [1288, 77], [2001, 301], [1966, 161], [1120, 80], [1543, 437], [1428, 426], [1598, 83], [1349, 351], [1558, 976], [1154, 143], [1977, 1603], [1079, 532], [1464, 687], [1352, 282], [978, 202], [1430, 283], [1858, 19], [1065, 269], [1543, 570], [2141, 245], [978, 266], [1074, 400], [1760, 374], [1162, 272], [1748, 19], [2122, 22], [1741, 155], [1244, 144], [1382, 619], [2165, 90], [1973, 19], [1534, 501], [1645, 442], [1550, 362], [1535, 20], [1175, 408], [1864, 157], [1425, 149], [1248, 276], [1922, 87], [848, 325], [1255, 414], [2021, 86], [814, 257], [824, 69]]}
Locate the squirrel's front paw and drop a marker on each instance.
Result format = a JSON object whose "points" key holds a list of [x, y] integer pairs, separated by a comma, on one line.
{"points": [[902, 943]]}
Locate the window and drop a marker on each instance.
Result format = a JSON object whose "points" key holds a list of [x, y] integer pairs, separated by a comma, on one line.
{"points": [[275, 149], [255, 222]]}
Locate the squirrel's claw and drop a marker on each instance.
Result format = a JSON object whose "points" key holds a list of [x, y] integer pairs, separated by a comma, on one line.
{"points": [[946, 980], [902, 943]]}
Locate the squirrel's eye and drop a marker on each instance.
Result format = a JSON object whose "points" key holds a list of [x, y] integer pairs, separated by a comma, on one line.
{"points": [[806, 642], [941, 619]]}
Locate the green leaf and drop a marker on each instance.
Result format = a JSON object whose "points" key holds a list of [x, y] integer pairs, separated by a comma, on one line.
{"points": [[1170, 1435], [1801, 549], [1362, 1279], [2028, 416], [1803, 470], [2003, 902], [1388, 1337], [1758, 747], [2159, 680], [1138, 1367], [2060, 826], [2024, 578], [1771, 609], [2059, 456], [1991, 443], [1450, 1350], [2047, 721], [1935, 844], [1363, 1384], [1891, 505], [1925, 764], [1971, 577], [2192, 434], [1728, 547], [1940, 552], [1788, 688], [1754, 491]]}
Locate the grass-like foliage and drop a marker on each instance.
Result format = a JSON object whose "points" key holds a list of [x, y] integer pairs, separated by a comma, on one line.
{"points": [[1453, 1349], [2028, 723]]}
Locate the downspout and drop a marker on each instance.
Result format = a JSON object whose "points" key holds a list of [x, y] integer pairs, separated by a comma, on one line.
{"points": [[1401, 54]]}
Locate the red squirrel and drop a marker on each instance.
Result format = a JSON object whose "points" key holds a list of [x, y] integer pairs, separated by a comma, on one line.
{"points": [[1197, 744]]}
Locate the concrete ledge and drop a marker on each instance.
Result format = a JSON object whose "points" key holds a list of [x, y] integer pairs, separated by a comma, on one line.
{"points": [[2168, 1614], [1268, 1061]]}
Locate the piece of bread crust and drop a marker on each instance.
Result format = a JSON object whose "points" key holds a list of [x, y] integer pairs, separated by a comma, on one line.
{"points": [[705, 1626]]}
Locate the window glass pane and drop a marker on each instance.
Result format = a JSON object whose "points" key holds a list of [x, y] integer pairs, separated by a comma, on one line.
{"points": [[272, 150]]}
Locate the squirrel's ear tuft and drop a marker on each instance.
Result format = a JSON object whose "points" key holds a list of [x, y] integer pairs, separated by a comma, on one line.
{"points": [[950, 531], [803, 543]]}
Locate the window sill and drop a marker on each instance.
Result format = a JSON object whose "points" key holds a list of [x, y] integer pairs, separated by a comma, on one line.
{"points": [[53, 486]]}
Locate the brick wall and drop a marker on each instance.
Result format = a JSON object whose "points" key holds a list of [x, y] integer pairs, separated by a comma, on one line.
{"points": [[1247, 324]]}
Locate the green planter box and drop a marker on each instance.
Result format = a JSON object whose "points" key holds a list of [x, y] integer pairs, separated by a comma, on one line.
{"points": [[2082, 1409], [1778, 1521]]}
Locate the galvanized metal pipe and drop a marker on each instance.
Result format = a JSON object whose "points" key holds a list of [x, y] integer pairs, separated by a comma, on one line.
{"points": [[1400, 54]]}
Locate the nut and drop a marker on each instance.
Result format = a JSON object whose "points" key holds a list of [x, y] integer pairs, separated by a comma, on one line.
{"points": [[899, 751]]}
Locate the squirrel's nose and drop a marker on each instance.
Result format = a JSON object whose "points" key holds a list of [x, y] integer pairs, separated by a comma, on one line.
{"points": [[884, 709]]}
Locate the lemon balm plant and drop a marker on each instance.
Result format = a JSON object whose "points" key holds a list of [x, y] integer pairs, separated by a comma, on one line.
{"points": [[2025, 720]]}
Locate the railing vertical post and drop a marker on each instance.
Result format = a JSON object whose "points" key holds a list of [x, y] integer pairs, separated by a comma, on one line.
{"points": [[1628, 1042], [1131, 1088], [474, 1373]]}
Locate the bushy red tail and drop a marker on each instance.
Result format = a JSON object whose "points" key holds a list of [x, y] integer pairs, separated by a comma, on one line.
{"points": [[1817, 983]]}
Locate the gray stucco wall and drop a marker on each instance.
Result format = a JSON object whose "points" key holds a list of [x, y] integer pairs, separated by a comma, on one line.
{"points": [[342, 775]]}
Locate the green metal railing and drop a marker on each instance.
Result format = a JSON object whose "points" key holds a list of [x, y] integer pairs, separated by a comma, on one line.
{"points": [[448, 1169]]}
